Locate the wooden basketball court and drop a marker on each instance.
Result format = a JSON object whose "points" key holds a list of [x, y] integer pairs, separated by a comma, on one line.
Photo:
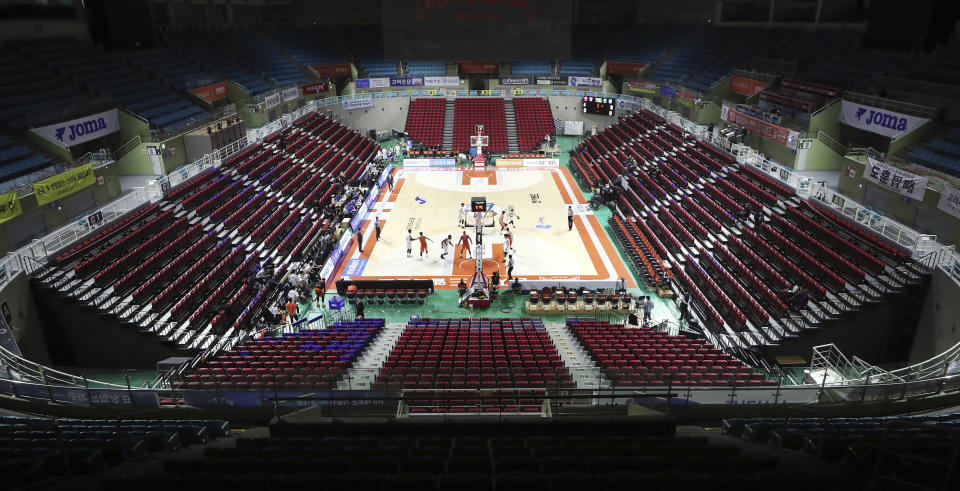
{"points": [[426, 200]]}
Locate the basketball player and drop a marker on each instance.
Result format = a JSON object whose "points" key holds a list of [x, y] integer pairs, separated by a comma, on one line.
{"points": [[503, 220], [510, 236], [423, 244], [465, 245], [445, 246], [462, 215], [511, 215], [409, 241], [506, 245]]}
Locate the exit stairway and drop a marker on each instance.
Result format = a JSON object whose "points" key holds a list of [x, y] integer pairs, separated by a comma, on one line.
{"points": [[448, 114], [510, 114]]}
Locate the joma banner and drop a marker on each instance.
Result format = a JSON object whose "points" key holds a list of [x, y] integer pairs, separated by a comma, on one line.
{"points": [[895, 179], [80, 130], [63, 184], [212, 92], [880, 121], [770, 131], [9, 206]]}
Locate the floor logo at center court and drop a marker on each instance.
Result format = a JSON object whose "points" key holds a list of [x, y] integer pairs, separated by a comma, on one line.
{"points": [[420, 200], [541, 223]]}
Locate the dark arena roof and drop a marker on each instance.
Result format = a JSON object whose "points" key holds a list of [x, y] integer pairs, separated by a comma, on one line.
{"points": [[479, 245]]}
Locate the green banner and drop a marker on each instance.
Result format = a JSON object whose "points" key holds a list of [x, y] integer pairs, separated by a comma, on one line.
{"points": [[9, 206], [65, 184]]}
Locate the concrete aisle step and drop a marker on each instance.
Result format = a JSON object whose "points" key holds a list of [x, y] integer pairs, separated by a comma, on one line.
{"points": [[366, 368]]}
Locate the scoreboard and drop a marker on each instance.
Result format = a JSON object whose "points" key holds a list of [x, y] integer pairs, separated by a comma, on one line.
{"points": [[598, 105]]}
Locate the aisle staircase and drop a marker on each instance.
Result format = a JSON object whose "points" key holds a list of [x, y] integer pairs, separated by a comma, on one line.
{"points": [[365, 369], [448, 113], [585, 373], [510, 114]]}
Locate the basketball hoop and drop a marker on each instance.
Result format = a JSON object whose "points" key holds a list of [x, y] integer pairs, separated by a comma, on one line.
{"points": [[484, 219], [479, 141]]}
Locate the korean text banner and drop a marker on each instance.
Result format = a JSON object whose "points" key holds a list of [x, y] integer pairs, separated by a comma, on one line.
{"points": [[880, 121], [64, 184], [441, 81], [317, 88], [746, 86], [372, 83], [272, 100], [586, 81], [406, 82], [351, 104], [291, 94], [950, 200], [212, 92], [896, 179], [80, 130], [476, 30], [770, 131], [9, 206]]}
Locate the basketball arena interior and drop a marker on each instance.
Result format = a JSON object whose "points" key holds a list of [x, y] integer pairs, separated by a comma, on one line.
{"points": [[472, 244]]}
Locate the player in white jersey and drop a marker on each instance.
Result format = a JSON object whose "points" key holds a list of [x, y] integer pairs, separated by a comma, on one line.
{"points": [[462, 215], [511, 215], [445, 245], [409, 241], [506, 245]]}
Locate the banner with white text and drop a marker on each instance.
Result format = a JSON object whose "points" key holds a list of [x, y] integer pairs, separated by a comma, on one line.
{"points": [[880, 121], [80, 130]]}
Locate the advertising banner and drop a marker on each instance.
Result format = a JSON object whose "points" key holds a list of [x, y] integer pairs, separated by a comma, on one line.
{"points": [[894, 179], [291, 94], [880, 121], [645, 87], [441, 81], [479, 66], [212, 92], [429, 162], [668, 91], [552, 80], [746, 86], [787, 101], [352, 104], [685, 97], [252, 398], [811, 88], [372, 83], [272, 100], [406, 81], [81, 129], [318, 88], [64, 184], [9, 206], [586, 81], [541, 162], [509, 163], [770, 131], [338, 70], [622, 68], [516, 81], [950, 200]]}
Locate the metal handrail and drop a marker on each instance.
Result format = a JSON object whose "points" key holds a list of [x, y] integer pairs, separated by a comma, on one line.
{"points": [[893, 105]]}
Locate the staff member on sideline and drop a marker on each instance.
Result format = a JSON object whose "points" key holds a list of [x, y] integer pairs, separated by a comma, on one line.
{"points": [[569, 218]]}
